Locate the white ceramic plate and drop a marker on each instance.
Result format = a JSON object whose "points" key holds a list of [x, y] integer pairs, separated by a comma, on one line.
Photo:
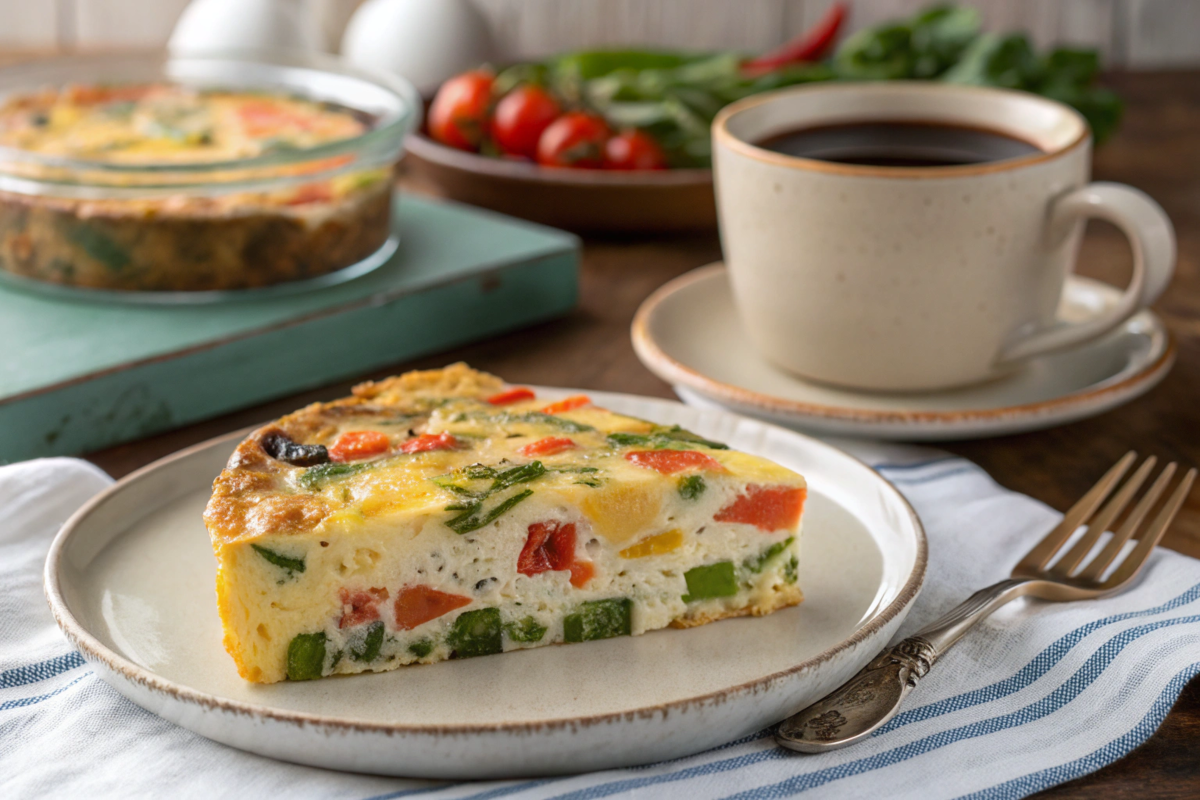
{"points": [[689, 335], [130, 580]]}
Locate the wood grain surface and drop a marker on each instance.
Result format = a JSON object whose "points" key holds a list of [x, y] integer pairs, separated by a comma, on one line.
{"points": [[1157, 150]]}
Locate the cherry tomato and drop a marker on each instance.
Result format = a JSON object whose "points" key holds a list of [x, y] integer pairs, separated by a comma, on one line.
{"points": [[768, 508], [360, 605], [575, 139], [669, 462], [520, 117], [547, 447], [511, 396], [416, 605], [549, 545], [428, 442], [568, 404], [356, 445], [459, 113], [633, 150]]}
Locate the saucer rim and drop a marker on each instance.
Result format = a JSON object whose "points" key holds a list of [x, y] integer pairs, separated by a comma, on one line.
{"points": [[675, 372]]}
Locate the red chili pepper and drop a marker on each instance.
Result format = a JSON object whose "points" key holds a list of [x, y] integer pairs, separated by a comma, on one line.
{"points": [[568, 404], [511, 396], [427, 442], [809, 46], [547, 447]]}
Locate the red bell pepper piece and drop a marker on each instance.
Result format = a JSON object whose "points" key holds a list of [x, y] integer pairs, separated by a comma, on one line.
{"points": [[568, 404], [768, 508], [427, 442], [416, 605], [669, 462], [514, 395], [357, 445], [359, 605], [547, 447], [551, 546], [809, 46]]}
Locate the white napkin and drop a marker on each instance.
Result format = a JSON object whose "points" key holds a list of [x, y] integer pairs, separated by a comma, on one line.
{"points": [[1038, 695]]}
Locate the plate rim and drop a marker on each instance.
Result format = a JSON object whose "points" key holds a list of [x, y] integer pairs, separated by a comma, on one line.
{"points": [[96, 651], [673, 371]]}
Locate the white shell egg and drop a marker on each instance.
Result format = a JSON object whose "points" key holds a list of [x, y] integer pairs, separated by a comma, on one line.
{"points": [[209, 25], [425, 41]]}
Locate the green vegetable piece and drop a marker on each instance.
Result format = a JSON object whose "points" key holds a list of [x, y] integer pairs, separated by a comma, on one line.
{"points": [[98, 245], [314, 478], [527, 630], [367, 649], [711, 580], [599, 619], [474, 517], [791, 571], [691, 487], [662, 439], [876, 54], [306, 657], [476, 633], [290, 564], [998, 60], [421, 647], [758, 563]]}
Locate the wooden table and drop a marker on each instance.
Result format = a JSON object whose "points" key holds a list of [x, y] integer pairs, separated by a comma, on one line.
{"points": [[1158, 150]]}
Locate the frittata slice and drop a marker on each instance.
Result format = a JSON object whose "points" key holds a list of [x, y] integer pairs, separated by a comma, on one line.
{"points": [[442, 514]]}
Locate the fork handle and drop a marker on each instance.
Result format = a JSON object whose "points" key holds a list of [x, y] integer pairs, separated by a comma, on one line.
{"points": [[867, 701]]}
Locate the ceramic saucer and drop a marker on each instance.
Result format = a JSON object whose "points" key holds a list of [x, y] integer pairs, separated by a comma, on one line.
{"points": [[689, 335]]}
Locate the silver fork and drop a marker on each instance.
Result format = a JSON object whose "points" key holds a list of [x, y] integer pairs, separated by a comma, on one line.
{"points": [[873, 696]]}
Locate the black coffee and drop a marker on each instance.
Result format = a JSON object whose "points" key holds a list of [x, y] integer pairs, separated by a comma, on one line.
{"points": [[899, 144]]}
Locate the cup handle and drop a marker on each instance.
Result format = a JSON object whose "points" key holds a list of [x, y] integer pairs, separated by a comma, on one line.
{"points": [[1153, 242]]}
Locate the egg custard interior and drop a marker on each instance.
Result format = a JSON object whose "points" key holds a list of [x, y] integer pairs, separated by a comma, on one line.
{"points": [[443, 514]]}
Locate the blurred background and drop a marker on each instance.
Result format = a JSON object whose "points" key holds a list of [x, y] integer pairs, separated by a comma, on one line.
{"points": [[1132, 34]]}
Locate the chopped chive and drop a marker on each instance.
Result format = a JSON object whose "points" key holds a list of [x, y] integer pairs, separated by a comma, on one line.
{"points": [[758, 563], [290, 564], [691, 487], [372, 642]]}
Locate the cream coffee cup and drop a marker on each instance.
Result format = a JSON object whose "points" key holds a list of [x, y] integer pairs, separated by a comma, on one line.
{"points": [[918, 278]]}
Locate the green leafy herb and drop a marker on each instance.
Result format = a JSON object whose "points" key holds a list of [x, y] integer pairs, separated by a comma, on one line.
{"points": [[306, 657], [663, 438], [791, 571], [367, 648], [759, 562], [476, 633], [474, 517], [691, 487], [290, 564], [599, 619], [421, 647], [314, 478], [538, 418], [712, 580], [527, 630]]}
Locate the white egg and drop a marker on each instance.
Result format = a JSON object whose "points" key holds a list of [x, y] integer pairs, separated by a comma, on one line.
{"points": [[425, 41], [208, 25]]}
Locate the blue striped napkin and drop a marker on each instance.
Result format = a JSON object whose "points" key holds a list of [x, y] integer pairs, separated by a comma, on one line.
{"points": [[1038, 695]]}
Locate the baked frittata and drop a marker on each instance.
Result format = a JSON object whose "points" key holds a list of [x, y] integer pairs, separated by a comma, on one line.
{"points": [[443, 514]]}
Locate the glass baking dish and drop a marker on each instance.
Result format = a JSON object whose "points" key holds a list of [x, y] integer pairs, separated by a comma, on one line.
{"points": [[287, 215]]}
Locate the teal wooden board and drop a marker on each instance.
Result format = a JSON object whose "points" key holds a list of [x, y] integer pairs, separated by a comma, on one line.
{"points": [[79, 376]]}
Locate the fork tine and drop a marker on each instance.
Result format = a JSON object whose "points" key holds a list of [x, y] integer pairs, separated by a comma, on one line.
{"points": [[1095, 569], [1151, 536], [1044, 550], [1100, 523]]}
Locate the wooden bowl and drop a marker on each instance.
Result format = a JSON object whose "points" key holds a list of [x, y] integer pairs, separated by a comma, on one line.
{"points": [[581, 200]]}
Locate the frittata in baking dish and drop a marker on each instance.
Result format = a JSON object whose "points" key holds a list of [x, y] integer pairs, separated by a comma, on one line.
{"points": [[443, 514]]}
